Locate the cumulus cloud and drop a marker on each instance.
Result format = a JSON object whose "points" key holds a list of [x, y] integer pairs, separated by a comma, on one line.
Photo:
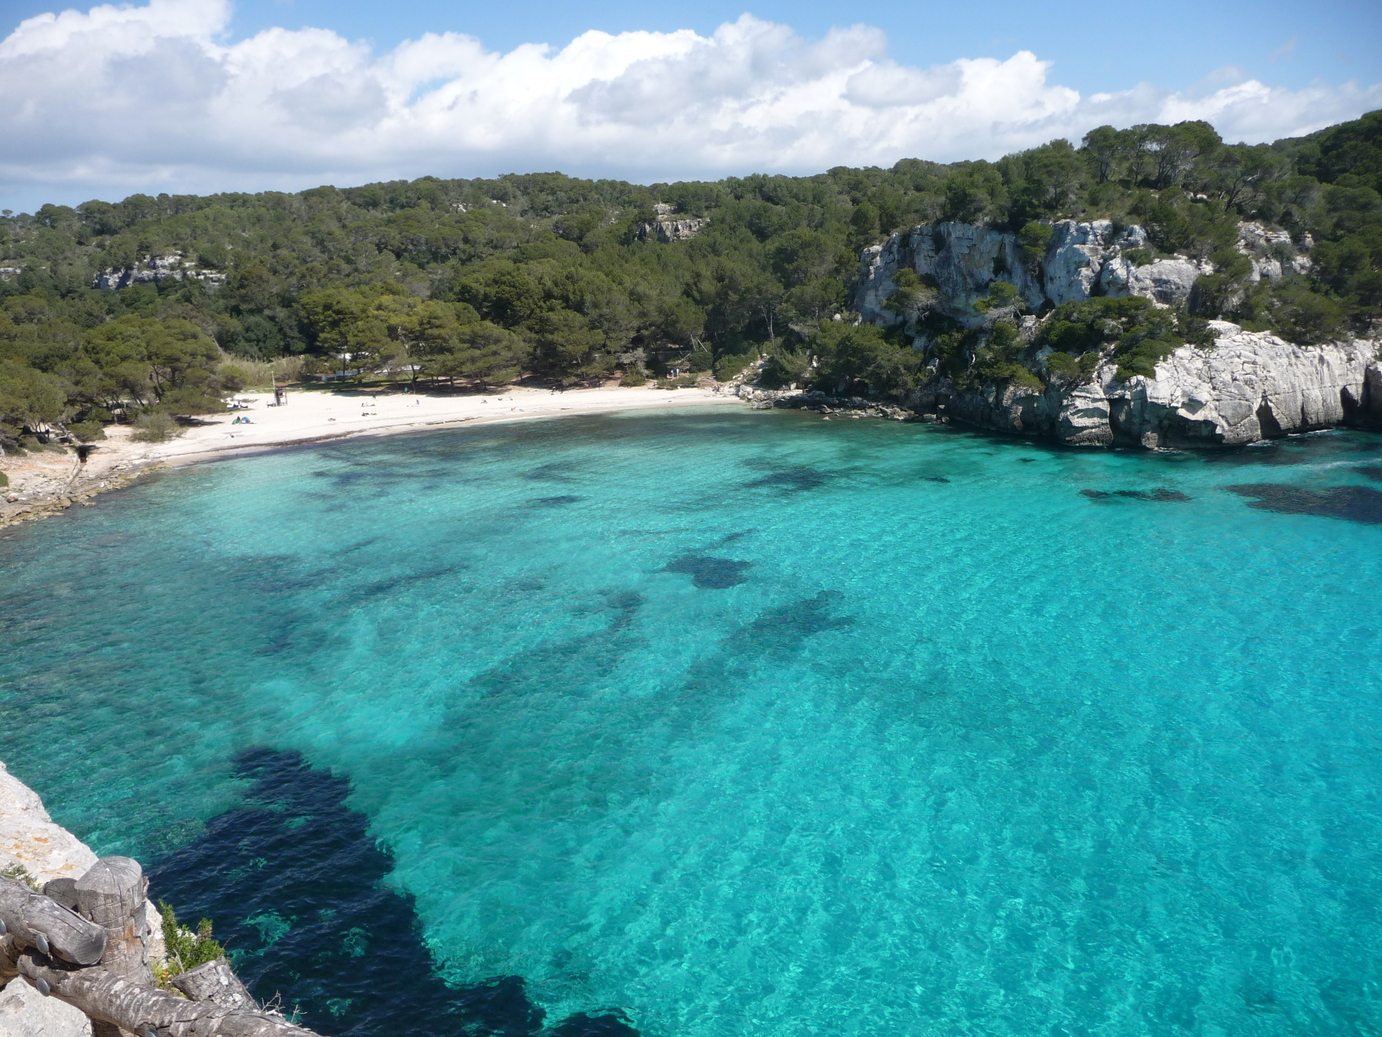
{"points": [[119, 99]]}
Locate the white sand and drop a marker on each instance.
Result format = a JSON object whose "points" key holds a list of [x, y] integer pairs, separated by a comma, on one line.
{"points": [[313, 415], [46, 482]]}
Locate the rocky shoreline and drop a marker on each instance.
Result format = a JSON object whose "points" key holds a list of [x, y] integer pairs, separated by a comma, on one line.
{"points": [[1246, 387], [1238, 388], [1249, 386]]}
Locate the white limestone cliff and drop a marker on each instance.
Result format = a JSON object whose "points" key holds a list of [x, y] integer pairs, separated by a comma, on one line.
{"points": [[1248, 386], [29, 839], [1081, 260], [153, 269], [1245, 387]]}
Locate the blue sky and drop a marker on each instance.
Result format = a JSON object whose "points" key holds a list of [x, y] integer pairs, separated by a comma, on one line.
{"points": [[1096, 47], [199, 95]]}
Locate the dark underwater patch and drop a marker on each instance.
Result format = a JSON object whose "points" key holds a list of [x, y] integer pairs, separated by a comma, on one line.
{"points": [[1371, 471], [389, 584], [555, 502], [794, 480], [359, 545], [611, 1024], [710, 572], [294, 883], [1293, 450], [781, 631], [275, 574], [569, 666], [732, 537], [934, 478], [1160, 494], [552, 471], [1352, 503], [775, 636]]}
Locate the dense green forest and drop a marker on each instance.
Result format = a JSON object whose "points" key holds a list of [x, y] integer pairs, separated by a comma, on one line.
{"points": [[556, 279]]}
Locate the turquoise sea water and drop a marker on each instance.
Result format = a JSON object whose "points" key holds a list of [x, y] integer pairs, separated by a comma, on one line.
{"points": [[756, 724]]}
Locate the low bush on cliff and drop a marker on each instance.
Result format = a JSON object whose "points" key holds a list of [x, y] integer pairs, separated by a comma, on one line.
{"points": [[1138, 332], [186, 949], [16, 872]]}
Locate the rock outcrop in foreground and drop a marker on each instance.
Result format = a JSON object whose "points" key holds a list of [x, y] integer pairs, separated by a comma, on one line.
{"points": [[29, 840], [1249, 386]]}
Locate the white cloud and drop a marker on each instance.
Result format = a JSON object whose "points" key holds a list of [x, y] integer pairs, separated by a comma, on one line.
{"points": [[119, 99]]}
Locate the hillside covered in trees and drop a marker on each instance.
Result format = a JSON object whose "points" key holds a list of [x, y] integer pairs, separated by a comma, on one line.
{"points": [[156, 305]]}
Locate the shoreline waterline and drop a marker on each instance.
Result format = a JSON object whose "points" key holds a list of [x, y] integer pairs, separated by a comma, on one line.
{"points": [[51, 483]]}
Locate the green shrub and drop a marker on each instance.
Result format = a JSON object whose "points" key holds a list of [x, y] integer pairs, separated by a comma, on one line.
{"points": [[16, 872], [686, 381], [1000, 294], [1063, 364], [633, 379], [1142, 334], [729, 367], [784, 367], [187, 949], [1141, 357], [87, 431], [1299, 315], [1035, 237], [4, 480], [155, 428]]}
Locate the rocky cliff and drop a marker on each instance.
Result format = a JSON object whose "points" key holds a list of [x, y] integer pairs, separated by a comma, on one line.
{"points": [[30, 840], [1247, 386], [154, 269], [1079, 260], [668, 227], [1244, 387]]}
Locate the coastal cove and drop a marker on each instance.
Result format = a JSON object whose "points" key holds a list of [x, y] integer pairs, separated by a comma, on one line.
{"points": [[736, 723], [47, 483]]}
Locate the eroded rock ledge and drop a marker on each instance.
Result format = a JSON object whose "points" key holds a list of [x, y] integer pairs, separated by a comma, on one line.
{"points": [[1248, 386]]}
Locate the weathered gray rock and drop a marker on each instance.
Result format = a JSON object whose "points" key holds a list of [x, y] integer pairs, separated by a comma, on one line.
{"points": [[1250, 386], [1166, 281], [668, 229], [29, 838], [47, 851], [153, 269], [24, 1012], [1370, 399], [1080, 252], [1082, 259], [1084, 417]]}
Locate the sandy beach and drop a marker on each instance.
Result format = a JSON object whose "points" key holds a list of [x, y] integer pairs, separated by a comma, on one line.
{"points": [[45, 482]]}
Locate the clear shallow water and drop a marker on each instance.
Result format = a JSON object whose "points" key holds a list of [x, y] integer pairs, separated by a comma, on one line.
{"points": [[750, 724]]}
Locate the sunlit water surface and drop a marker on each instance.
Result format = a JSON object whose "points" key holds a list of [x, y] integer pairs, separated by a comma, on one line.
{"points": [[754, 724]]}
